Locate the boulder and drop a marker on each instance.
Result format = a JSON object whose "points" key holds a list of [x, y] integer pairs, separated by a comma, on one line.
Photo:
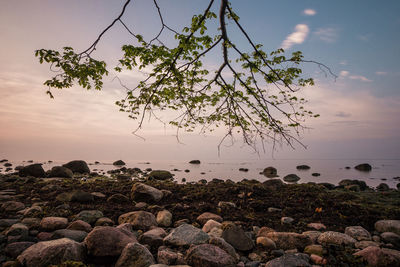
{"points": [[388, 226], [392, 238], [222, 244], [290, 260], [107, 241], [186, 235], [52, 252], [35, 170], [104, 221], [13, 250], [50, 224], [76, 235], [195, 161], [59, 171], [383, 187], [89, 216], [135, 254], [119, 163], [77, 166], [118, 198], [266, 243], [235, 236], [210, 256], [348, 182], [145, 193], [380, 257], [160, 175], [210, 224], [358, 233], [153, 238], [80, 225], [270, 172], [336, 238], [164, 218], [288, 240], [364, 167], [204, 217], [291, 178], [140, 220]]}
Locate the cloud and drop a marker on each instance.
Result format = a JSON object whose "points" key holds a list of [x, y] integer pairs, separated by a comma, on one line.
{"points": [[365, 37], [309, 12], [343, 62], [381, 73], [296, 37], [342, 114], [360, 78], [328, 35], [344, 73]]}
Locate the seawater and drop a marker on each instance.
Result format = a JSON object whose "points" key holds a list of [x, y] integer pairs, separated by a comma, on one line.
{"points": [[331, 170]]}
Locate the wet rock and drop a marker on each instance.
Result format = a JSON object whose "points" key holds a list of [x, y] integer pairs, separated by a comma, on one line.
{"points": [[80, 226], [35, 170], [388, 226], [118, 198], [167, 256], [392, 238], [380, 257], [52, 252], [243, 169], [316, 226], [140, 220], [226, 205], [145, 193], [287, 220], [314, 249], [204, 217], [119, 163], [135, 254], [32, 223], [288, 240], [210, 224], [77, 166], [270, 172], [59, 171], [164, 218], [195, 161], [315, 174], [50, 224], [291, 178], [358, 233], [107, 241], [290, 260], [104, 221], [235, 236], [209, 255], [33, 211], [12, 206], [346, 182], [382, 187], [365, 244], [266, 243], [89, 216], [160, 175], [365, 167], [336, 238], [222, 244], [303, 167], [13, 250], [81, 197], [153, 238], [186, 235], [17, 229], [76, 235]]}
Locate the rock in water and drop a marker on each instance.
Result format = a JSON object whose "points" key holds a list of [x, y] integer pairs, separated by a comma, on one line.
{"points": [[59, 171], [52, 252], [195, 161], [160, 175], [78, 166], [365, 167], [119, 163], [291, 178], [270, 172], [303, 167], [35, 170]]}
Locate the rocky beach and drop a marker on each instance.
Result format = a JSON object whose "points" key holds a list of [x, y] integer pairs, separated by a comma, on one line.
{"points": [[69, 216]]}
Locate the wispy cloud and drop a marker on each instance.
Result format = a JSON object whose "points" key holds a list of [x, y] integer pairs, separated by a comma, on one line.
{"points": [[328, 35], [309, 12], [381, 73], [344, 73], [297, 37], [360, 78]]}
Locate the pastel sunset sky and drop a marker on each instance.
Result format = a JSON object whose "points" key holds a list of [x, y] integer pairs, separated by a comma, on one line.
{"points": [[360, 110]]}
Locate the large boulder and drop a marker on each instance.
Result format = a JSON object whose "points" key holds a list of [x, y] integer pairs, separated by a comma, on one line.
{"points": [[289, 240], [35, 170], [186, 235], [364, 167], [107, 241], [140, 220], [78, 166], [47, 253], [388, 226], [235, 236], [347, 183], [118, 163], [210, 256], [59, 171], [270, 172], [145, 193], [291, 178], [160, 175], [15, 249], [380, 257], [135, 254]]}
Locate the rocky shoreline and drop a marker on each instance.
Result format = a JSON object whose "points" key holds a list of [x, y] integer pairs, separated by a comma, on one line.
{"points": [[145, 218]]}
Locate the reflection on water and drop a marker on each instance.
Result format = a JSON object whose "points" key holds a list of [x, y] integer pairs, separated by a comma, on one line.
{"points": [[331, 171]]}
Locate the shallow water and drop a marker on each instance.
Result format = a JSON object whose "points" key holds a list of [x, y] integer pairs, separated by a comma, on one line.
{"points": [[332, 171]]}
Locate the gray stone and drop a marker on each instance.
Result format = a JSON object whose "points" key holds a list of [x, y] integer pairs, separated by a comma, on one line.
{"points": [[235, 236], [140, 220], [380, 257], [364, 167], [78, 166], [153, 238], [145, 193], [222, 244], [47, 253], [336, 238], [118, 198], [210, 256], [164, 218], [59, 171], [18, 229], [358, 233], [392, 238], [186, 235], [388, 226], [76, 235], [290, 260], [80, 225], [81, 196], [50, 224], [291, 178], [288, 240], [204, 217], [119, 163], [160, 175], [135, 254], [13, 250], [35, 170], [89, 216], [270, 172]]}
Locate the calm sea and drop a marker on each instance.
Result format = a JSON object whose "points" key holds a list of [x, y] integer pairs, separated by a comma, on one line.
{"points": [[332, 171]]}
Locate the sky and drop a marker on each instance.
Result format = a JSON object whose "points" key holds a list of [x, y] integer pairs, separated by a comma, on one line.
{"points": [[358, 40]]}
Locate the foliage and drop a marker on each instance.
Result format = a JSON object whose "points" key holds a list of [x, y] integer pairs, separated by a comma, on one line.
{"points": [[252, 93]]}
